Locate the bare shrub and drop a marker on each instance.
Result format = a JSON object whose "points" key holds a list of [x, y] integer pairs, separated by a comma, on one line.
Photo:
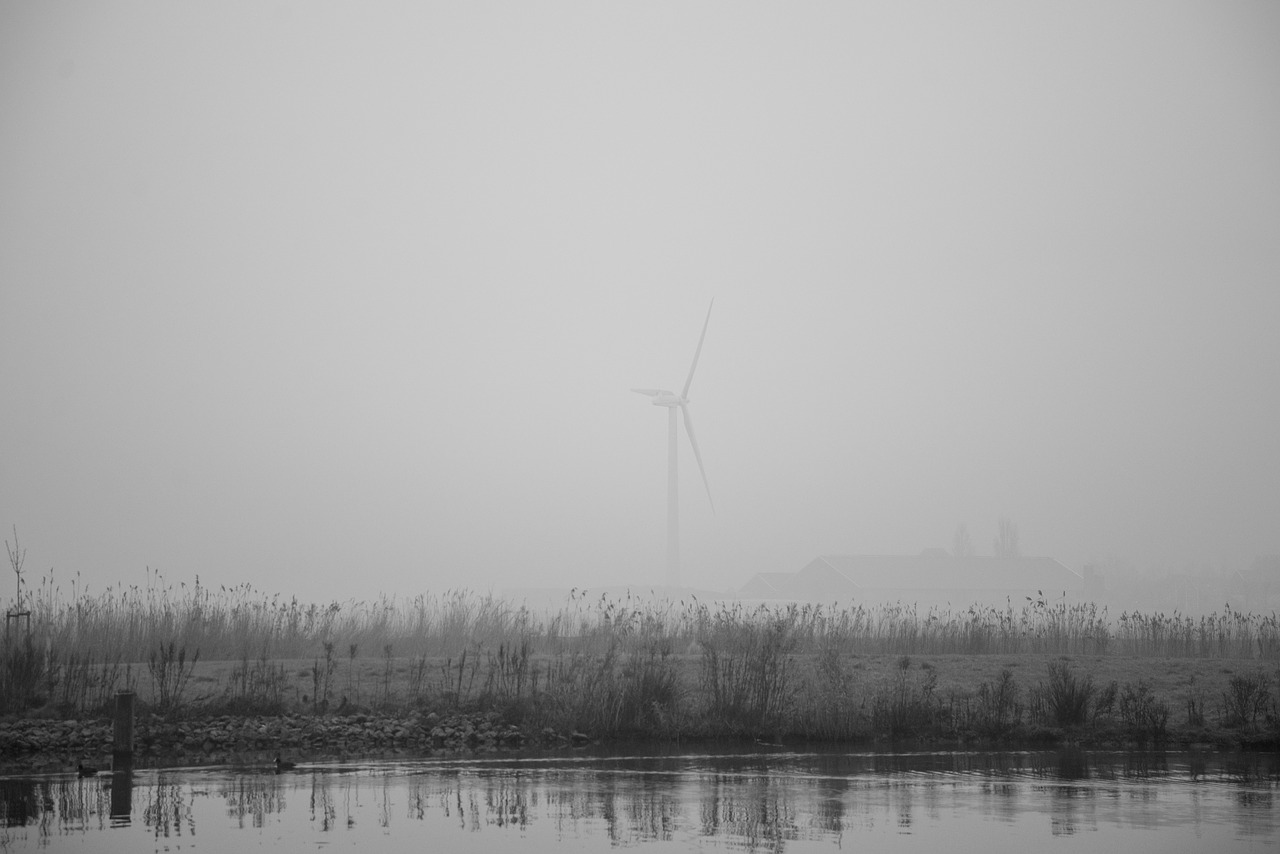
{"points": [[508, 677], [827, 708], [322, 678], [170, 672], [1143, 717], [1066, 699], [1195, 701], [75, 682], [998, 708], [909, 706], [257, 687], [1104, 705], [746, 670], [651, 691], [1246, 698], [580, 692], [22, 670]]}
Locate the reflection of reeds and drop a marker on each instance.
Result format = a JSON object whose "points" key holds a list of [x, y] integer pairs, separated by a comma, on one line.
{"points": [[168, 810], [250, 799], [55, 807]]}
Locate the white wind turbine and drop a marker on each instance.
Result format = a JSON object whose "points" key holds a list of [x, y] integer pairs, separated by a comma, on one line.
{"points": [[662, 397]]}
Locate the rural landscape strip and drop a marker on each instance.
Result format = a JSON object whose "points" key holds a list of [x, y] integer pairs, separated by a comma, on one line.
{"points": [[232, 676]]}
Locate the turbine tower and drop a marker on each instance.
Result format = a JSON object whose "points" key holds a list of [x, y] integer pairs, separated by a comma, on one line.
{"points": [[673, 401]]}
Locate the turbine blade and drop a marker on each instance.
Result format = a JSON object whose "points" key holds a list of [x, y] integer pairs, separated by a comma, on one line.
{"points": [[697, 455], [698, 352], [652, 392]]}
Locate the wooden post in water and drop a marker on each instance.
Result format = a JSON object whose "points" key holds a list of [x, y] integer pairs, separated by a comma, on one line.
{"points": [[122, 744], [121, 798]]}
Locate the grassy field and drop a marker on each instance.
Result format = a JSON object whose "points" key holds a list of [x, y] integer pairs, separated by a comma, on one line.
{"points": [[1196, 691], [627, 666]]}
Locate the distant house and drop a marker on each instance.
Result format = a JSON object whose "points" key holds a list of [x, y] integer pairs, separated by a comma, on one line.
{"points": [[933, 578]]}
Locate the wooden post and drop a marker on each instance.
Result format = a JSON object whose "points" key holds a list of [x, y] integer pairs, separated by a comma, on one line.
{"points": [[21, 618], [122, 745]]}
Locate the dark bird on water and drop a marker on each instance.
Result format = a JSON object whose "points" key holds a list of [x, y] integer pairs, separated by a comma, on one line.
{"points": [[281, 765], [85, 771]]}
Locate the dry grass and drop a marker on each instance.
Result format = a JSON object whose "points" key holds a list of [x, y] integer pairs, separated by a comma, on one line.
{"points": [[371, 683], [619, 665]]}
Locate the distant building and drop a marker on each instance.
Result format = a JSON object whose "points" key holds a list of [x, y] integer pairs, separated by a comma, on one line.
{"points": [[933, 578], [552, 600]]}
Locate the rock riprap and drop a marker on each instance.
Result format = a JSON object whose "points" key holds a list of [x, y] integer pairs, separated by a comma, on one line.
{"points": [[44, 743]]}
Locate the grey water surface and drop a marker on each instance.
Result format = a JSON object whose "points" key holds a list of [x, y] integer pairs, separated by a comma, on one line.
{"points": [[770, 799]]}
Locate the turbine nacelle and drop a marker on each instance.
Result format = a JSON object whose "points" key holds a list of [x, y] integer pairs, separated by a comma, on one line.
{"points": [[662, 397]]}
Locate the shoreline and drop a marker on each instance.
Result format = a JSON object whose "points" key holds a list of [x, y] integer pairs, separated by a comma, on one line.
{"points": [[45, 746], [233, 711]]}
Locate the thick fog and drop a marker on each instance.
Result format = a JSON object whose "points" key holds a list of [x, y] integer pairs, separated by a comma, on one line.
{"points": [[346, 299]]}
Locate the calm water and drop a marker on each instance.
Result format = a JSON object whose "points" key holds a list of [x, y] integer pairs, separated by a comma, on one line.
{"points": [[766, 801]]}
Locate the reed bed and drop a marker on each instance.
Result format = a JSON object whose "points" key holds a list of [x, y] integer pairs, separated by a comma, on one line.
{"points": [[129, 624], [612, 665]]}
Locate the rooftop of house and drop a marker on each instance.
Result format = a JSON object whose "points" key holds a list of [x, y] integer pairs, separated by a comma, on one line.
{"points": [[933, 573]]}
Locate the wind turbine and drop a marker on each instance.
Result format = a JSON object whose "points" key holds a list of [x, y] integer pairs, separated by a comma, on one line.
{"points": [[673, 401]]}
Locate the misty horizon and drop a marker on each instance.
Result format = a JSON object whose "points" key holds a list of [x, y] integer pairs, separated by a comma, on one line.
{"points": [[336, 300]]}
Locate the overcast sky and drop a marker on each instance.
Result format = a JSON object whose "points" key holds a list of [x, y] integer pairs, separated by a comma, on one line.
{"points": [[348, 299]]}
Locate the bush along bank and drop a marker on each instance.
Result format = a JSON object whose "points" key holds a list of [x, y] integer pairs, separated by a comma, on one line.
{"points": [[1067, 705]]}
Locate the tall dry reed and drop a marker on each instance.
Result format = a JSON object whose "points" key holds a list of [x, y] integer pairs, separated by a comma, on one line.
{"points": [[81, 644]]}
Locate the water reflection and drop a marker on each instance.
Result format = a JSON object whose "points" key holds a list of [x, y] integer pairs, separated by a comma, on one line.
{"points": [[55, 807], [121, 799], [167, 809], [250, 798], [756, 801]]}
